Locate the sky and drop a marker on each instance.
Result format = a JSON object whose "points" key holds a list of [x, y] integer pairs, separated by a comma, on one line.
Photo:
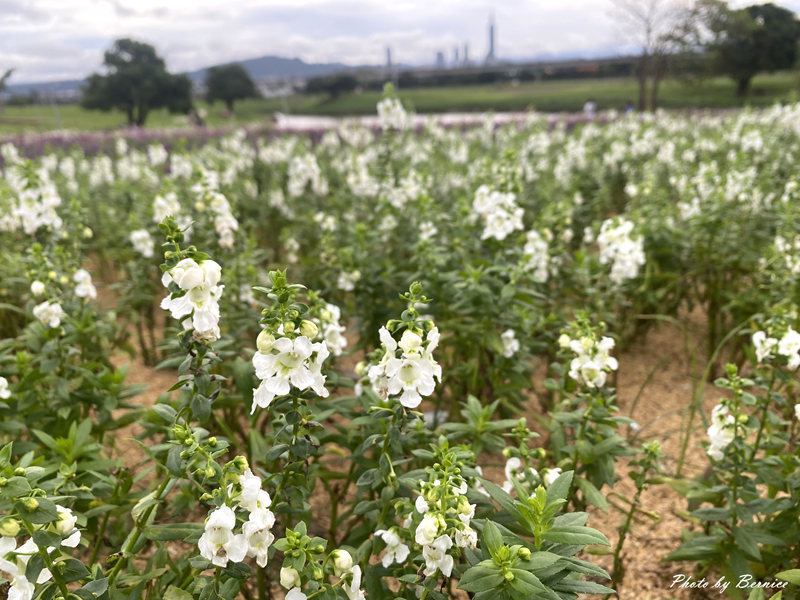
{"points": [[50, 40]]}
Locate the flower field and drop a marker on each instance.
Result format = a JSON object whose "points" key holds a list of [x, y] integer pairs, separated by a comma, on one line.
{"points": [[405, 362]]}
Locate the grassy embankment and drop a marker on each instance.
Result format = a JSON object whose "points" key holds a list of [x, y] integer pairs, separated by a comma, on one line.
{"points": [[555, 96]]}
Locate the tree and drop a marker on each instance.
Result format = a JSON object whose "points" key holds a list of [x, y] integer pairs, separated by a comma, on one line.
{"points": [[136, 81], [229, 83], [654, 26], [751, 40], [332, 85], [4, 79]]}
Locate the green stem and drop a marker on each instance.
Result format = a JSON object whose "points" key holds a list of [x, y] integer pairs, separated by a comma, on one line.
{"points": [[49, 564], [139, 526]]}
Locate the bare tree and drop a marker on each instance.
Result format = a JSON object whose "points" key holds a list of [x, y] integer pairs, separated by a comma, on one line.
{"points": [[653, 26]]}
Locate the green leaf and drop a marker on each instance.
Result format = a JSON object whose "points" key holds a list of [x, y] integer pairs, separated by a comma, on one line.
{"points": [[577, 586], [481, 578], [559, 489], [592, 494], [173, 531], [492, 538], [73, 570], [792, 576], [174, 593], [575, 536]]}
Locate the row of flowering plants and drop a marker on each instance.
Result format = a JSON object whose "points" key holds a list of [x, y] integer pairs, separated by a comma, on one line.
{"points": [[329, 441], [415, 517]]}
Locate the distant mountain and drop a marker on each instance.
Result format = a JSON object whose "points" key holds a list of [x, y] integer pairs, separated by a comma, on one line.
{"points": [[277, 67], [66, 87], [263, 68]]}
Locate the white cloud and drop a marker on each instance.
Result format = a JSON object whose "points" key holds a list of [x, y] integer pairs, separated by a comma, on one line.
{"points": [[60, 39]]}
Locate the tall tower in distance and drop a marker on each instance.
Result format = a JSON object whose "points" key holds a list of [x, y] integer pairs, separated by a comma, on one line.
{"points": [[490, 55]]}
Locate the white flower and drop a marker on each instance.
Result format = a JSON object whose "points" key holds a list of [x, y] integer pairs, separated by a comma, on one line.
{"points": [[142, 242], [253, 498], [37, 288], [65, 526], [797, 411], [288, 363], [342, 562], [436, 557], [200, 281], [421, 505], [537, 256], [764, 345], [499, 212], [332, 331], [295, 594], [290, 578], [84, 288], [396, 551], [721, 431], [353, 589], [550, 475], [5, 393], [218, 543], [789, 346], [257, 533], [617, 247], [513, 471], [427, 530], [466, 538], [14, 561], [427, 231], [347, 280], [392, 115], [166, 206], [49, 313], [593, 361], [510, 343], [412, 375]]}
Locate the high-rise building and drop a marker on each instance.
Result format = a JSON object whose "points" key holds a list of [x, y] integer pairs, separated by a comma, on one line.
{"points": [[456, 59], [490, 55], [466, 53], [388, 58], [440, 61]]}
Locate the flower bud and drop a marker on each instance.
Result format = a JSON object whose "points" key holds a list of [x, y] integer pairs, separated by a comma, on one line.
{"points": [[288, 326], [212, 441], [290, 578], [88, 233], [52, 275], [264, 341], [309, 329], [509, 576], [563, 340], [9, 527], [19, 472], [524, 553], [342, 562], [30, 503], [37, 288]]}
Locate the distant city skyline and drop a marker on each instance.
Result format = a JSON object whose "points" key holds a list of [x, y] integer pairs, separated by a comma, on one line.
{"points": [[50, 40]]}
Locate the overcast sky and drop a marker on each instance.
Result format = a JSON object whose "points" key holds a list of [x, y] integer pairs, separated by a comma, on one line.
{"points": [[64, 39]]}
